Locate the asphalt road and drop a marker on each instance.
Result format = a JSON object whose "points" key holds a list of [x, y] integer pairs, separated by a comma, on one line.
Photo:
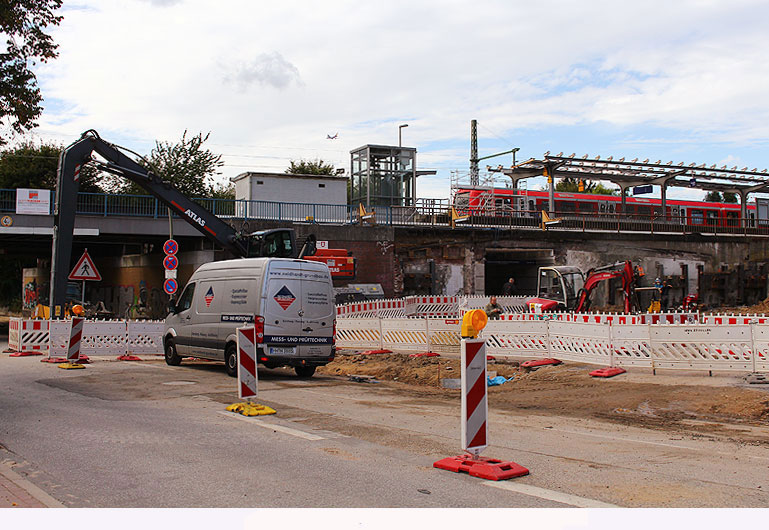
{"points": [[120, 434]]}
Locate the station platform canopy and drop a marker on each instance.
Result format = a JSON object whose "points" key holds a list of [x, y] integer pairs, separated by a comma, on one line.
{"points": [[630, 173]]}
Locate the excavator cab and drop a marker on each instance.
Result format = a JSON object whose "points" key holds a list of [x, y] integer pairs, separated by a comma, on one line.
{"points": [[557, 289]]}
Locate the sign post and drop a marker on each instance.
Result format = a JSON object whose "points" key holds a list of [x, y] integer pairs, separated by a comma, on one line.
{"points": [[170, 264], [475, 409], [84, 270]]}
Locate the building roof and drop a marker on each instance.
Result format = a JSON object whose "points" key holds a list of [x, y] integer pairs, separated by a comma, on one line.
{"points": [[284, 175]]}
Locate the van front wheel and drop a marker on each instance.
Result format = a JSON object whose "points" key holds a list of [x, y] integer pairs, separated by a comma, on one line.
{"points": [[231, 360], [172, 358], [304, 372]]}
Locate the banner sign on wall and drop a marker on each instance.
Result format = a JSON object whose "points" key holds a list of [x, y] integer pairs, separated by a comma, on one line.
{"points": [[33, 202]]}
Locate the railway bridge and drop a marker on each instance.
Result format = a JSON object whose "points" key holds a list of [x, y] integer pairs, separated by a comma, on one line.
{"points": [[424, 249]]}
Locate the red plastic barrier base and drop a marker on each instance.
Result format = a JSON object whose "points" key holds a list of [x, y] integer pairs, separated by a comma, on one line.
{"points": [[374, 352], [607, 372], [26, 354], [539, 362], [425, 354], [54, 360], [482, 467], [128, 358]]}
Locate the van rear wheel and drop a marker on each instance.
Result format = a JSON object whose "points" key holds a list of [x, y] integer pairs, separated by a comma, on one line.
{"points": [[172, 358], [231, 360], [304, 372]]}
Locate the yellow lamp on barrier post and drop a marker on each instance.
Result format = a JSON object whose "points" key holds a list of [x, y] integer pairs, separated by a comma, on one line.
{"points": [[473, 322]]}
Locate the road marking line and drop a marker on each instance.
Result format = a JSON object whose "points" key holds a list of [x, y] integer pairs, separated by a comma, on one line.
{"points": [[274, 427], [557, 496]]}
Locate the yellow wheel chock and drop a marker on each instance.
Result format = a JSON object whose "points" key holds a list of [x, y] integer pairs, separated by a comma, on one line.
{"points": [[71, 366], [251, 409]]}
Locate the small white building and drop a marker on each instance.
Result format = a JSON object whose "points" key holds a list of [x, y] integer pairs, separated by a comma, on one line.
{"points": [[288, 188]]}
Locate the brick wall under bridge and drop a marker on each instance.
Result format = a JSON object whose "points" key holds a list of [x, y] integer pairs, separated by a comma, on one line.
{"points": [[725, 270]]}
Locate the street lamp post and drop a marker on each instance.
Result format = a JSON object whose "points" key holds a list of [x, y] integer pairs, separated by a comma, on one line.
{"points": [[400, 137]]}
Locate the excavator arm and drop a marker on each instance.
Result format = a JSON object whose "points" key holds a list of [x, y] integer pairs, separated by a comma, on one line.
{"points": [[595, 277], [119, 163]]}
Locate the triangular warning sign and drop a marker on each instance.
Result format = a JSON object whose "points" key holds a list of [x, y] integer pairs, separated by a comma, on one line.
{"points": [[85, 269]]}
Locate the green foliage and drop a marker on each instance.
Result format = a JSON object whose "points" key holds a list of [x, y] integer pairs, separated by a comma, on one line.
{"points": [[23, 23], [727, 197], [571, 185], [223, 190], [36, 166], [310, 167], [185, 165]]}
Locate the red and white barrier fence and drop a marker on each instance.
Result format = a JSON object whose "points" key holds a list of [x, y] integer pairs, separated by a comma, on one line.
{"points": [[614, 340], [99, 337], [28, 336]]}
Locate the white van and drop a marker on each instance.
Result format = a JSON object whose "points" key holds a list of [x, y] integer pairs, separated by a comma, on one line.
{"points": [[290, 300]]}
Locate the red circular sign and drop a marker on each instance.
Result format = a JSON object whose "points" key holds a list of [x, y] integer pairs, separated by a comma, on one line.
{"points": [[170, 286], [170, 247], [170, 262]]}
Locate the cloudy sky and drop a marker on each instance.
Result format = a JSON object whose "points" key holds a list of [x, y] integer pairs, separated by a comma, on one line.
{"points": [[685, 81]]}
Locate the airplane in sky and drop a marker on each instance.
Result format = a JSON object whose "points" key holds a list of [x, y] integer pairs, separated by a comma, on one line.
{"points": [[329, 137]]}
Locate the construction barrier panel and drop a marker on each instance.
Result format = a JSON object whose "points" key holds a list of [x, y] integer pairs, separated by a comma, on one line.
{"points": [[443, 335], [517, 338], [359, 333], [580, 342], [702, 347], [14, 334], [28, 336], [145, 337], [405, 335]]}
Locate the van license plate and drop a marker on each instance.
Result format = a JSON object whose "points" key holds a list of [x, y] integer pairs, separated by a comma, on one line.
{"points": [[282, 350]]}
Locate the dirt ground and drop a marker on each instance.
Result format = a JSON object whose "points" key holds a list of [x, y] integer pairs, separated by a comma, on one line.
{"points": [[567, 390]]}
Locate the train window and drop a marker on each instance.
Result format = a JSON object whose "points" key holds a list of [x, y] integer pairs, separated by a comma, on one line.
{"points": [[611, 208], [732, 219], [712, 217], [644, 210], [698, 217], [602, 207], [565, 206]]}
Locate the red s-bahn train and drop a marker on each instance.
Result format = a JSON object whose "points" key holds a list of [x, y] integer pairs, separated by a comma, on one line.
{"points": [[499, 202]]}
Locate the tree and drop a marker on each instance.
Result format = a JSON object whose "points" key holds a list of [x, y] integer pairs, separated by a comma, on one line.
{"points": [[310, 167], [36, 166], [185, 165], [571, 185], [727, 197], [223, 190], [23, 22]]}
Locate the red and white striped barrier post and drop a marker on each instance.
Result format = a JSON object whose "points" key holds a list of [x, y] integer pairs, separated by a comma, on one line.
{"points": [[475, 410], [248, 379], [73, 349], [247, 376]]}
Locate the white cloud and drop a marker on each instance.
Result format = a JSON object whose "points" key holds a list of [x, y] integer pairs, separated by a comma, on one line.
{"points": [[271, 80]]}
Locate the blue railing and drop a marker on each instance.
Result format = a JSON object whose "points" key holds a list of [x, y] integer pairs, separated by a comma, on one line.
{"points": [[430, 213], [107, 205]]}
